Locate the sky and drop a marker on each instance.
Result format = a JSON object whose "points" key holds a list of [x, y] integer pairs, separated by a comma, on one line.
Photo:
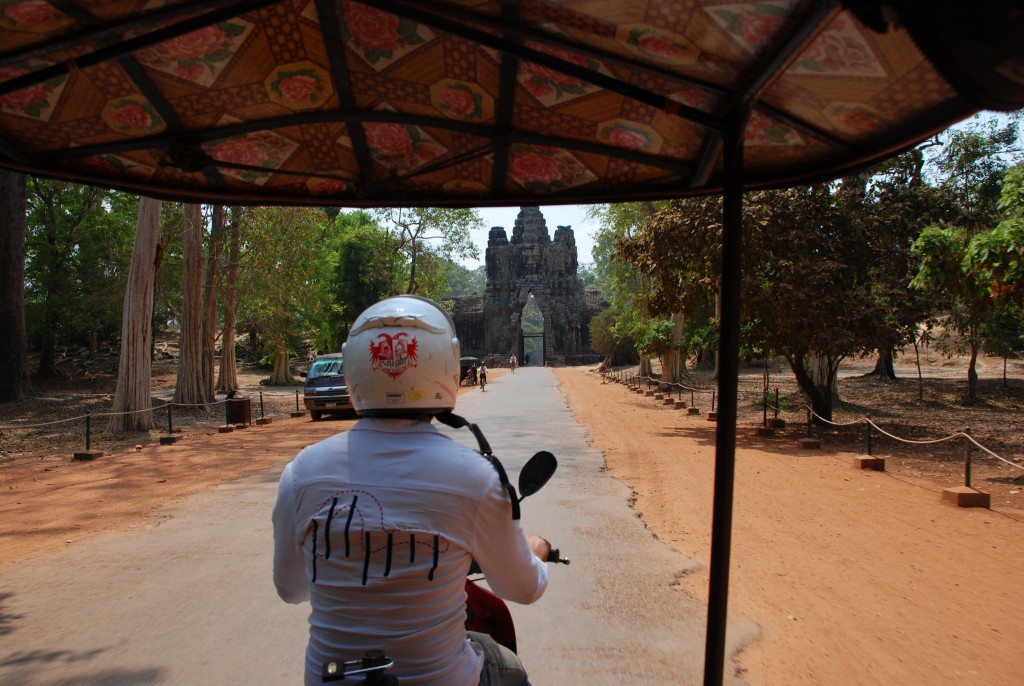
{"points": [[573, 216]]}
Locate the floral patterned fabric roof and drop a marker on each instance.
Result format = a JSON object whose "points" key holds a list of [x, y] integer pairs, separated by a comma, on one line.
{"points": [[482, 102]]}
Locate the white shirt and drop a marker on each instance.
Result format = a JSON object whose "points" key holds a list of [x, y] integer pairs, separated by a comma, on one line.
{"points": [[404, 510]]}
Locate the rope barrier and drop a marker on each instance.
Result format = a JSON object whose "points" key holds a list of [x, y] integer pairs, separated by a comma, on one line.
{"points": [[811, 413], [16, 427], [911, 441]]}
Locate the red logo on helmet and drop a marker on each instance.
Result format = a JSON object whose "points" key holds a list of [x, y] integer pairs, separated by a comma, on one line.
{"points": [[393, 354]]}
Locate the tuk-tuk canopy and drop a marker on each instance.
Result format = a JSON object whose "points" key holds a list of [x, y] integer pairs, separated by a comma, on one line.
{"points": [[484, 102]]}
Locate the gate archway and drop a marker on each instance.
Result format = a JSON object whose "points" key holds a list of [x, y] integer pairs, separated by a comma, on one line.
{"points": [[532, 263]]}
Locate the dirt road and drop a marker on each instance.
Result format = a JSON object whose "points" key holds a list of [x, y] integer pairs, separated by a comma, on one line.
{"points": [[853, 577]]}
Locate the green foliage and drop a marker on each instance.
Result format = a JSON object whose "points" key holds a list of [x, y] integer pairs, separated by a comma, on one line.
{"points": [[78, 246], [366, 269], [605, 340], [427, 237], [653, 337], [283, 282], [464, 281]]}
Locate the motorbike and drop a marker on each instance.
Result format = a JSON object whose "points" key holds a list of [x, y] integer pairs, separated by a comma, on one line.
{"points": [[485, 612]]}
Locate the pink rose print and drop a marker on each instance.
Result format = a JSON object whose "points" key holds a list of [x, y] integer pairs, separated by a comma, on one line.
{"points": [[196, 44], [297, 88], [656, 45], [26, 97], [626, 138], [190, 70], [240, 151], [328, 185], [540, 89], [390, 139], [858, 121], [133, 116], [756, 125], [101, 165], [527, 167], [371, 28], [459, 100], [31, 12], [758, 29]]}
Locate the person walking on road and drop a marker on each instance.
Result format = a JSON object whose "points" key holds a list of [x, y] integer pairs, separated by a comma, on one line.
{"points": [[482, 374], [512, 362], [377, 526]]}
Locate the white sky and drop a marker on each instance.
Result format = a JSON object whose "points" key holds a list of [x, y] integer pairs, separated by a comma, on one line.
{"points": [[573, 216]]}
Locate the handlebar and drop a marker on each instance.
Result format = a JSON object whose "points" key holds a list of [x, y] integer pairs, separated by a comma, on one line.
{"points": [[556, 556]]}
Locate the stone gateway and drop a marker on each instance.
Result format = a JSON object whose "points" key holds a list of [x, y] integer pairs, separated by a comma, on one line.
{"points": [[531, 263]]}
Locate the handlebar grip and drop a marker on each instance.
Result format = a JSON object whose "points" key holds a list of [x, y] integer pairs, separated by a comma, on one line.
{"points": [[555, 555]]}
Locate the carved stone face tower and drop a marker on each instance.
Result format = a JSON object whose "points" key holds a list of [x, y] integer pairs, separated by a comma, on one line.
{"points": [[534, 263]]}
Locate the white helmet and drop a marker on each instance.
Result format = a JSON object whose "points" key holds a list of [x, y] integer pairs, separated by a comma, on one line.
{"points": [[402, 358]]}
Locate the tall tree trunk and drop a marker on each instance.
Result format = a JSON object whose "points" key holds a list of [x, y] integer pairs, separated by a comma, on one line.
{"points": [[673, 366], [884, 368], [820, 394], [228, 374], [14, 370], [132, 409], [972, 372], [282, 375], [189, 387], [210, 299], [822, 370]]}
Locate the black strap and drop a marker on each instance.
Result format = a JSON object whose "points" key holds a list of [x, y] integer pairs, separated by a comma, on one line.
{"points": [[457, 422]]}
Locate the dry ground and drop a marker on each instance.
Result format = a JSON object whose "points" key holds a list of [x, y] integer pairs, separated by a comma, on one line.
{"points": [[854, 577]]}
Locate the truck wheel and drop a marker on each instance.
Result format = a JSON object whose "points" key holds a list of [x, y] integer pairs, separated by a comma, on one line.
{"points": [[316, 415]]}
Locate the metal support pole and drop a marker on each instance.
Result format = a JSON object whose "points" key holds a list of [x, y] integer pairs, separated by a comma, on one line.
{"points": [[869, 435], [713, 394], [776, 403], [88, 429], [227, 413], [170, 427], [261, 404], [296, 401], [764, 409], [728, 380]]}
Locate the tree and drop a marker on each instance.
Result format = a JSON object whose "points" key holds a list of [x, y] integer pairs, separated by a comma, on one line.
{"points": [[283, 267], [420, 232], [227, 374], [78, 247], [58, 214], [898, 203], [14, 369], [971, 277], [623, 283], [189, 389], [211, 285], [680, 284], [465, 281], [805, 279], [970, 166], [368, 268], [131, 407]]}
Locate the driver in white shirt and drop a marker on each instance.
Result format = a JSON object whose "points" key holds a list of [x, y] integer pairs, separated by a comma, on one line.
{"points": [[377, 526]]}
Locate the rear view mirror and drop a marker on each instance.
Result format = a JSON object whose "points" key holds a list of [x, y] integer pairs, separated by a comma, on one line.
{"points": [[536, 473]]}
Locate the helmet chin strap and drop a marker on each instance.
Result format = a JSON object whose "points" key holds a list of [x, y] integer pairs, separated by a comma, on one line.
{"points": [[453, 420]]}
